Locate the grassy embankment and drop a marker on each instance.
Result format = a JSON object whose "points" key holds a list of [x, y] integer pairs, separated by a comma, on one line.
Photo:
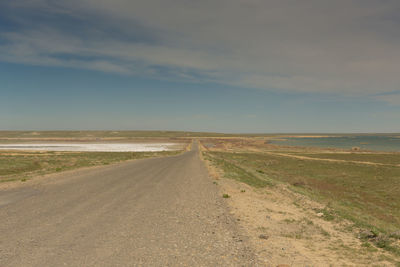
{"points": [[367, 195], [23, 165]]}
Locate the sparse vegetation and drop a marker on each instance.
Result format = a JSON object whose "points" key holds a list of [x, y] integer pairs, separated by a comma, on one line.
{"points": [[383, 158], [237, 173], [14, 164], [287, 220], [226, 196], [327, 214], [365, 194], [96, 135]]}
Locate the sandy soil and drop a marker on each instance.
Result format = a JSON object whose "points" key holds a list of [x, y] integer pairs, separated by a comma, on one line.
{"points": [[286, 228]]}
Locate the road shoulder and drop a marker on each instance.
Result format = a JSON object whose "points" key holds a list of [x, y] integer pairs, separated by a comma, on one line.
{"points": [[285, 227]]}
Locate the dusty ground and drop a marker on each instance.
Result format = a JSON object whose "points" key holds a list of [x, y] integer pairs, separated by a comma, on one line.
{"points": [[288, 228], [285, 229], [152, 212], [167, 212]]}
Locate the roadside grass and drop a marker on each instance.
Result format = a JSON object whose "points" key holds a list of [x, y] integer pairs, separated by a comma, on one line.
{"points": [[235, 172], [383, 158], [367, 195], [21, 165]]}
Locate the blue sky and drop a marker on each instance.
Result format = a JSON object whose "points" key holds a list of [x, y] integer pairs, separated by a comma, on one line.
{"points": [[226, 66]]}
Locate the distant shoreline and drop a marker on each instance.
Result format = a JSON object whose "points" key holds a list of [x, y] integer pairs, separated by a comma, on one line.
{"points": [[384, 143]]}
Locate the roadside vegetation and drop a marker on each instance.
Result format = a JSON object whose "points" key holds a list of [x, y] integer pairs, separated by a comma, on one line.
{"points": [[23, 165], [233, 171], [381, 158], [349, 185]]}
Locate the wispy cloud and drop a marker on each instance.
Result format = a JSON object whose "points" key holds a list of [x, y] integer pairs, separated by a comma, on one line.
{"points": [[392, 98], [343, 47]]}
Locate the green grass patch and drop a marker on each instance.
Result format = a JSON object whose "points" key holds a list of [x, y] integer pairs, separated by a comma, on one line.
{"points": [[237, 173], [21, 163], [368, 195], [328, 215]]}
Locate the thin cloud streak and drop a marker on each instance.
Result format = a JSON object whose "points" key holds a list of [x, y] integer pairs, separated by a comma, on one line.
{"points": [[339, 47]]}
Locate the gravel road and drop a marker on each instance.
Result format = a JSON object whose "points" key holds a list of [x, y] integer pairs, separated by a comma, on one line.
{"points": [[152, 212]]}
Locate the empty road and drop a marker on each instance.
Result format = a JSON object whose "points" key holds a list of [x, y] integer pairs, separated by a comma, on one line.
{"points": [[152, 212]]}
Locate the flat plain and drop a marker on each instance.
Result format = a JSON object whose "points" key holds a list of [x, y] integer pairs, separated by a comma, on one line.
{"points": [[268, 204], [162, 211], [24, 163], [356, 192]]}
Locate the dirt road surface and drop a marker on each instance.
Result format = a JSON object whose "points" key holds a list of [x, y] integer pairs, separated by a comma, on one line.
{"points": [[153, 212]]}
